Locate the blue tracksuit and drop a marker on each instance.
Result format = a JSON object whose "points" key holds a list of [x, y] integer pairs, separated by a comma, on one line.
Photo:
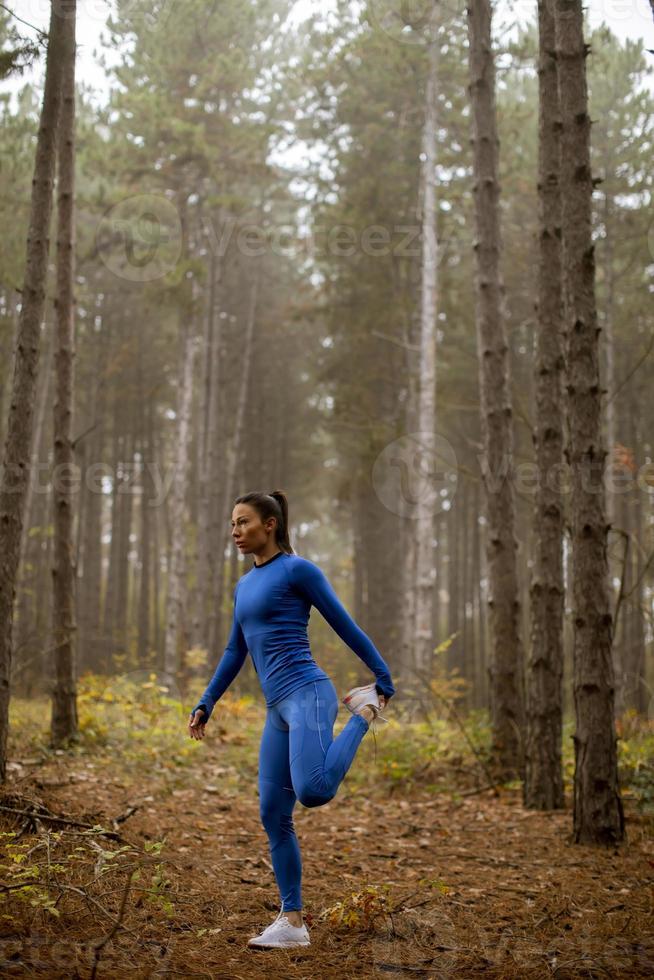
{"points": [[299, 758]]}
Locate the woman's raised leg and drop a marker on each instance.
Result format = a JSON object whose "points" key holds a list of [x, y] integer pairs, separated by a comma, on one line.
{"points": [[318, 761]]}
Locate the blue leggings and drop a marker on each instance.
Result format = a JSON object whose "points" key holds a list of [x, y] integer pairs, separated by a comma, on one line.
{"points": [[300, 759]]}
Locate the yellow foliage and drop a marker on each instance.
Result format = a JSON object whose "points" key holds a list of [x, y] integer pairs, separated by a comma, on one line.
{"points": [[359, 908], [196, 658]]}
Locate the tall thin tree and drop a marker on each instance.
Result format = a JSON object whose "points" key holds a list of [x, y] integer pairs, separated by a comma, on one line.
{"points": [[543, 786], [424, 525], [177, 570], [16, 460], [64, 695], [598, 811], [236, 442], [507, 699]]}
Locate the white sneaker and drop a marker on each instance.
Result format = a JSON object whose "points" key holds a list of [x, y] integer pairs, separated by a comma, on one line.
{"points": [[282, 933], [360, 697]]}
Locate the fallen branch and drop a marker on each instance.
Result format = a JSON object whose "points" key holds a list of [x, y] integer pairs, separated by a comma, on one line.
{"points": [[130, 811], [114, 929], [53, 818], [89, 898]]}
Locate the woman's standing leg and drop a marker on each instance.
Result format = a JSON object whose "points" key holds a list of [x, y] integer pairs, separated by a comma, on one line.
{"points": [[318, 761], [276, 801]]}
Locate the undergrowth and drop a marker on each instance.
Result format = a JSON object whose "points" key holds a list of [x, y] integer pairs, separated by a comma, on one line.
{"points": [[133, 720]]}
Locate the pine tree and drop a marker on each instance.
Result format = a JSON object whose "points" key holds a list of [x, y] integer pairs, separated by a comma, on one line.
{"points": [[64, 697], [543, 787], [598, 812], [496, 412], [424, 525], [16, 461]]}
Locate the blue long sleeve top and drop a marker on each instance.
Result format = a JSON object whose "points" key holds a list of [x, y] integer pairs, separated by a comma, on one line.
{"points": [[272, 604]]}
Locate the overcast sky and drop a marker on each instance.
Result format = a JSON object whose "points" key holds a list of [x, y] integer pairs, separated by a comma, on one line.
{"points": [[626, 18]]}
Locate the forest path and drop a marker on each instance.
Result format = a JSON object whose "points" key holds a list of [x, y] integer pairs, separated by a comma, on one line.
{"points": [[456, 886]]}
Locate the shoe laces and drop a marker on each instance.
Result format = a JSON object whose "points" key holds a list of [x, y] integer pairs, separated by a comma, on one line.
{"points": [[281, 915], [373, 726]]}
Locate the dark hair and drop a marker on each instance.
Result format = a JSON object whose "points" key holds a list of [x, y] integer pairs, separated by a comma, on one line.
{"points": [[273, 504]]}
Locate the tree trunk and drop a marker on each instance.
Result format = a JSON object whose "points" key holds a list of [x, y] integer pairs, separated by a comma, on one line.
{"points": [[64, 696], [638, 695], [496, 412], [480, 646], [453, 568], [158, 645], [358, 502], [177, 567], [424, 524], [466, 659], [111, 588], [612, 505], [26, 640], [598, 812], [407, 533], [209, 462], [632, 614], [124, 567], [89, 587], [16, 462], [438, 584], [543, 787], [147, 492], [233, 448], [7, 346]]}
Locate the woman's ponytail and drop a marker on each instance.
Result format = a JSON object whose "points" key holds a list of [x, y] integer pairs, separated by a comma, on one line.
{"points": [[282, 532]]}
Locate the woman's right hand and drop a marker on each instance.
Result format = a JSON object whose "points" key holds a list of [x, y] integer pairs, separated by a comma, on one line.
{"points": [[196, 725]]}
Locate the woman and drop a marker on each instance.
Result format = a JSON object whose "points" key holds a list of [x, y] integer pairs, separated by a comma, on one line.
{"points": [[299, 758]]}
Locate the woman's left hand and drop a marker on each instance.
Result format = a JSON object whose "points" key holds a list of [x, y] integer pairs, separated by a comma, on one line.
{"points": [[382, 701]]}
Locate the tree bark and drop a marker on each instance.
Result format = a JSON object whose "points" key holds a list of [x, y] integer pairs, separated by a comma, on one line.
{"points": [[89, 586], [634, 687], [176, 571], [453, 568], [147, 490], [209, 462], [63, 724], [598, 812], [507, 707], [424, 524], [25, 638], [111, 590], [235, 443], [156, 459], [16, 462], [543, 786], [480, 646], [123, 564]]}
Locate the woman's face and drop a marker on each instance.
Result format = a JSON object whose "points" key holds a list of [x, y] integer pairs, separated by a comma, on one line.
{"points": [[249, 533]]}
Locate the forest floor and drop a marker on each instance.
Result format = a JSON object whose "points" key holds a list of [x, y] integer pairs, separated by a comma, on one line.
{"points": [[164, 869]]}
